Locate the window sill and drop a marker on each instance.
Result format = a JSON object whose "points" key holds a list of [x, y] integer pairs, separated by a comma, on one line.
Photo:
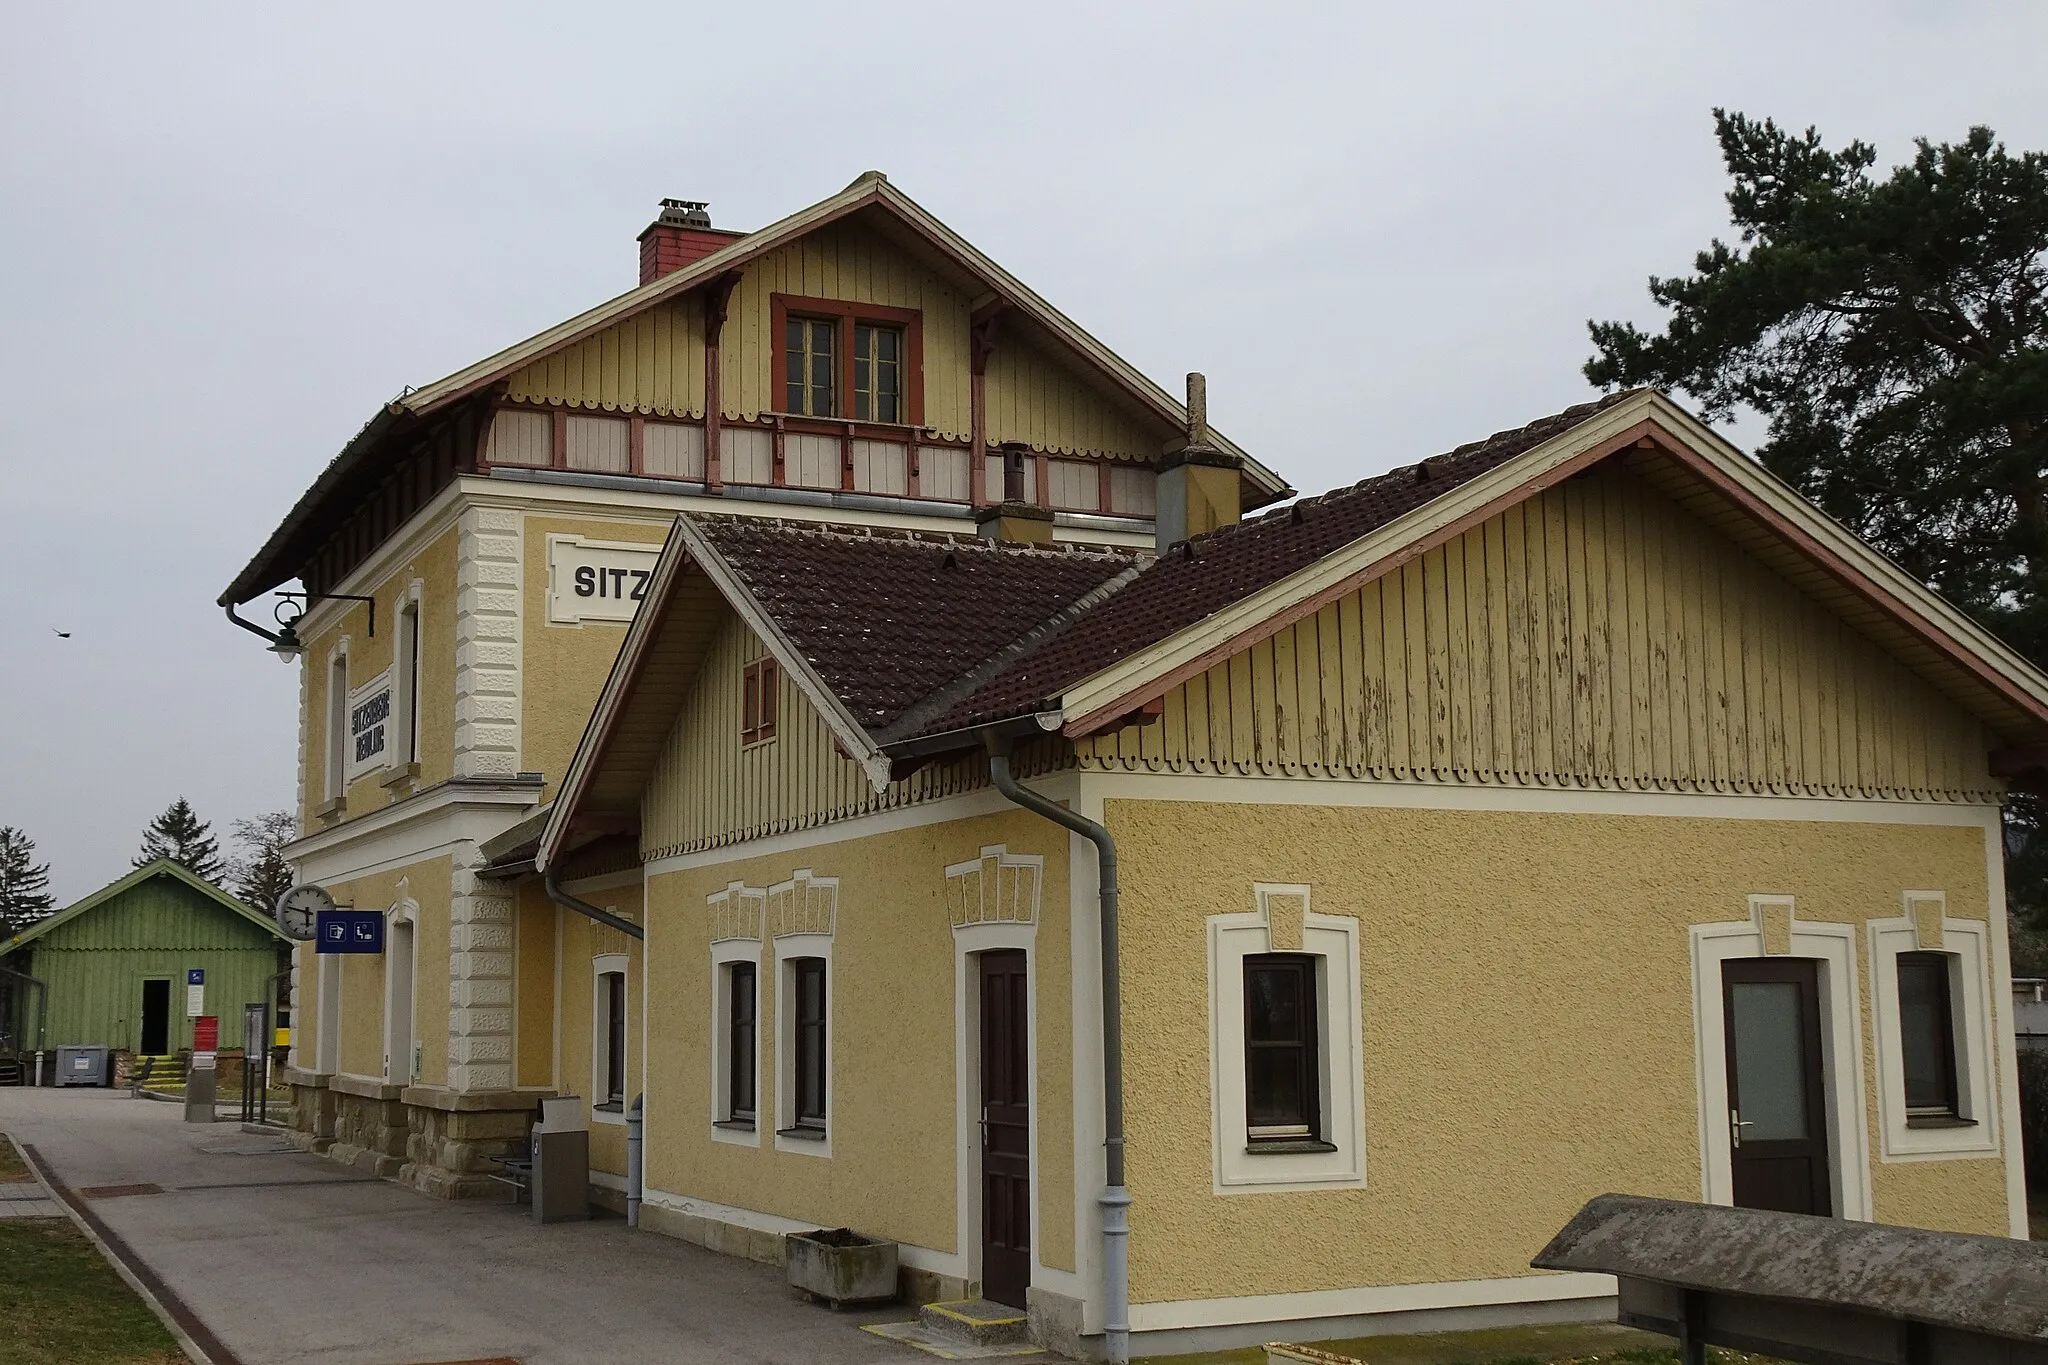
{"points": [[1289, 1147], [1939, 1121], [403, 773], [330, 808], [734, 1125], [802, 1133]]}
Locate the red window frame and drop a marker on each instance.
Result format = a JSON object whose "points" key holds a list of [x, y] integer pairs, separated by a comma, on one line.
{"points": [[782, 307], [760, 697]]}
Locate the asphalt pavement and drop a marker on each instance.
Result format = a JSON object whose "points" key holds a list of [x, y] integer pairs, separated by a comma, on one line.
{"points": [[287, 1257]]}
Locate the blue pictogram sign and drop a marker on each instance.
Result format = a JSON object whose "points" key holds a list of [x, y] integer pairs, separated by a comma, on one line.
{"points": [[349, 931], [195, 976]]}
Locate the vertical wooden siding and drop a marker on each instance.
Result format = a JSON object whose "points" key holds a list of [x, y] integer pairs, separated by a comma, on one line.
{"points": [[706, 789], [1034, 399], [1595, 636], [651, 362]]}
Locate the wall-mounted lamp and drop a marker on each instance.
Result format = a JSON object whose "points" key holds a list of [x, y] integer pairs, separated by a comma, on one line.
{"points": [[284, 641]]}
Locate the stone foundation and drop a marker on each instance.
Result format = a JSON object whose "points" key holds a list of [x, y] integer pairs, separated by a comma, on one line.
{"points": [[435, 1141]]}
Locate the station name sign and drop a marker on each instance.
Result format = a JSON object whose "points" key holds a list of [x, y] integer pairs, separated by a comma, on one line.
{"points": [[369, 725], [596, 580]]}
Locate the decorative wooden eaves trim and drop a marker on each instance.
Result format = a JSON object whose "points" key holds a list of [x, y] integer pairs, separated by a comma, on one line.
{"points": [[1135, 682]]}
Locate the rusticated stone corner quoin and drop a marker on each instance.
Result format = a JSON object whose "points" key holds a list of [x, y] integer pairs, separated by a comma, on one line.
{"points": [[1822, 1290]]}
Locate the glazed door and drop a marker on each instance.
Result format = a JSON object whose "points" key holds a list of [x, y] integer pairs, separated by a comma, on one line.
{"points": [[156, 1018], [1005, 1130], [1777, 1115]]}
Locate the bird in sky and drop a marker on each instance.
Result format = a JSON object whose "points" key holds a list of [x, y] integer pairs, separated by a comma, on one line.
{"points": [[61, 634]]}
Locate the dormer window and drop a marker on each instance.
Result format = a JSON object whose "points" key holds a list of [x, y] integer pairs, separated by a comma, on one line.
{"points": [[811, 367], [877, 372]]}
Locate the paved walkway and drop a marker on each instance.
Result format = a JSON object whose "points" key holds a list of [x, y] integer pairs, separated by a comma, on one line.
{"points": [[288, 1257], [27, 1201]]}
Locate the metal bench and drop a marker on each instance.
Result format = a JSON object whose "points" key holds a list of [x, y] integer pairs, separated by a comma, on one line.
{"points": [[516, 1171]]}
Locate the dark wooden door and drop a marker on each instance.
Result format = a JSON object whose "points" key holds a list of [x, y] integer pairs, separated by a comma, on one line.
{"points": [[1005, 1130], [156, 1018], [1777, 1113]]}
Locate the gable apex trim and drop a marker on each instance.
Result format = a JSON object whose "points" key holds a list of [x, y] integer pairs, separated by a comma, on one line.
{"points": [[1100, 699]]}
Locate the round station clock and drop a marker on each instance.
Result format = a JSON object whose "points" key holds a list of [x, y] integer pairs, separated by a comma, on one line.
{"points": [[299, 908]]}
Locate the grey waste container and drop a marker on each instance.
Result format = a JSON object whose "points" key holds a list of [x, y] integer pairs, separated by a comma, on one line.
{"points": [[82, 1064], [561, 1161]]}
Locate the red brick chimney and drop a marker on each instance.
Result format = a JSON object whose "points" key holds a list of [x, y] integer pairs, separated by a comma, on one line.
{"points": [[680, 234]]}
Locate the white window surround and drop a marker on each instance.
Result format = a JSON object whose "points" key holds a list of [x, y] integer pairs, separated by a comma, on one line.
{"points": [[405, 711], [1966, 943], [401, 993], [334, 732], [1834, 945], [788, 948], [1333, 939], [607, 964], [723, 954]]}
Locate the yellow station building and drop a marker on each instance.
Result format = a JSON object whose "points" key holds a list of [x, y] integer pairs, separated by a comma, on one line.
{"points": [[765, 663]]}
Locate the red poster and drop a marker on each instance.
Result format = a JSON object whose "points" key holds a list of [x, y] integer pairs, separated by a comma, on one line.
{"points": [[206, 1033]]}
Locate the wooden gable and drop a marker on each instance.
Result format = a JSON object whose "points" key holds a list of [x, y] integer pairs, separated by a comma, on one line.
{"points": [[1596, 634]]}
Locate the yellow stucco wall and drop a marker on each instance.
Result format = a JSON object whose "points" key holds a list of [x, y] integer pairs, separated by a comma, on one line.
{"points": [[582, 941], [362, 975], [435, 569], [892, 1100], [533, 989], [565, 665], [1527, 1024]]}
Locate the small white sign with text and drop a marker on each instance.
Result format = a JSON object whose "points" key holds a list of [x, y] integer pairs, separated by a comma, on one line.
{"points": [[596, 580], [369, 725]]}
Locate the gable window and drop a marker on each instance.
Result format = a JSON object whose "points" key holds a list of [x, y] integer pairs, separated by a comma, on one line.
{"points": [[810, 367], [1282, 1066], [845, 361], [739, 1042], [1927, 1037], [877, 372], [807, 1043], [760, 698]]}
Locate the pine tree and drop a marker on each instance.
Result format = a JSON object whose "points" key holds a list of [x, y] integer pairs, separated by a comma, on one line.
{"points": [[24, 884], [181, 835], [261, 874]]}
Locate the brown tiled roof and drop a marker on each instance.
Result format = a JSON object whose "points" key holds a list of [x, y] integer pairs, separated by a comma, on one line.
{"points": [[1179, 589], [885, 618]]}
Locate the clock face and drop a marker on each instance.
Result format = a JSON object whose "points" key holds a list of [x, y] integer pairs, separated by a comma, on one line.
{"points": [[298, 908]]}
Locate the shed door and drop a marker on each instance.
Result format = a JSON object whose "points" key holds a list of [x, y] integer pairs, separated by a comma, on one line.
{"points": [[156, 1018], [1005, 1130], [1778, 1130]]}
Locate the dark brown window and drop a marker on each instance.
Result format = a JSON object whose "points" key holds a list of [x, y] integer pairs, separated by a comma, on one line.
{"points": [[739, 1004], [808, 1045], [810, 366], [760, 695], [614, 984], [877, 373], [1283, 1069], [1927, 1036]]}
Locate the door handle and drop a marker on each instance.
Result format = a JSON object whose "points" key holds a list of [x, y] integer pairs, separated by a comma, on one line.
{"points": [[1736, 1123]]}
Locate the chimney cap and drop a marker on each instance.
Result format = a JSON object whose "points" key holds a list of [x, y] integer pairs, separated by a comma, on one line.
{"points": [[684, 213]]}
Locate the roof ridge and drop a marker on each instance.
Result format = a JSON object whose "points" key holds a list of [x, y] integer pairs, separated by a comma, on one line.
{"points": [[943, 698], [949, 540]]}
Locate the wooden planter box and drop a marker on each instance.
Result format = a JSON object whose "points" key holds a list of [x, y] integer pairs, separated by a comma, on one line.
{"points": [[840, 1266]]}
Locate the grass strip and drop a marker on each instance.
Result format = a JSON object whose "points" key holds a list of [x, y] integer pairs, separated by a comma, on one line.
{"points": [[64, 1305]]}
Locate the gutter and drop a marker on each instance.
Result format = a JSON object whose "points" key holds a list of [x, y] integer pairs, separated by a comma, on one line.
{"points": [[586, 909], [1115, 1200]]}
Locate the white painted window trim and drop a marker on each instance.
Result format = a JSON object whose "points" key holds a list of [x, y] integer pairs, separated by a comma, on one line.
{"points": [[404, 911], [1841, 1041], [411, 614], [1967, 945], [1334, 940], [970, 940], [788, 948], [601, 966], [334, 730], [723, 954]]}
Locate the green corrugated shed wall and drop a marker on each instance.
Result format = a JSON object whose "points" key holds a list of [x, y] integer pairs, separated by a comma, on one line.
{"points": [[161, 927]]}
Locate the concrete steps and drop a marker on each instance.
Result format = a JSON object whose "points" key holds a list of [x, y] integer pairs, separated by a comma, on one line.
{"points": [[965, 1329], [166, 1073]]}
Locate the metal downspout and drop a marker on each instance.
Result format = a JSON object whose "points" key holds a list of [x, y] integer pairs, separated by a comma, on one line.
{"points": [[635, 1118], [1115, 1200], [586, 909]]}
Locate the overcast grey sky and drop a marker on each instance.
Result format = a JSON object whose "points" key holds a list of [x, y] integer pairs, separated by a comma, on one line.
{"points": [[227, 233]]}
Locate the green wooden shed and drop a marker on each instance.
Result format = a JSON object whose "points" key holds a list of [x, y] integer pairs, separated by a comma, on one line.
{"points": [[117, 965]]}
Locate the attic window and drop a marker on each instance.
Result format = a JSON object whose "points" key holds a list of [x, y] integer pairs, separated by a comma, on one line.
{"points": [[760, 694]]}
